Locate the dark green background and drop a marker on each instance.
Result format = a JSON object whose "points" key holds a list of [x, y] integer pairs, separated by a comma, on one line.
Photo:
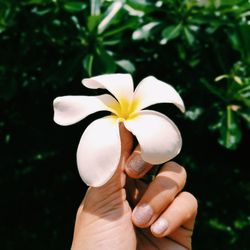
{"points": [[200, 47]]}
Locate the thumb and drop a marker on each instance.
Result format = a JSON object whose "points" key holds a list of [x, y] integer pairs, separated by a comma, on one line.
{"points": [[104, 211], [118, 179], [117, 182], [126, 144]]}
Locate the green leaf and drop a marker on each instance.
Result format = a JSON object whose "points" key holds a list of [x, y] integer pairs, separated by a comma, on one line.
{"points": [[238, 80], [109, 15], [141, 5], [189, 36], [246, 116], [111, 42], [106, 61], [241, 223], [243, 95], [219, 78], [227, 2], [42, 11], [127, 65], [95, 8], [194, 113], [216, 224], [118, 30], [240, 40], [74, 6], [230, 132], [88, 64], [92, 22], [145, 31], [6, 14], [245, 35], [172, 32], [30, 2], [76, 22]]}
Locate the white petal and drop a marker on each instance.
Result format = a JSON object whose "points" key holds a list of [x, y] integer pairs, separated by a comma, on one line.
{"points": [[99, 151], [159, 138], [152, 91], [71, 109], [120, 85]]}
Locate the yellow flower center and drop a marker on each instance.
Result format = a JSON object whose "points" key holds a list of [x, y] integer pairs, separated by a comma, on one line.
{"points": [[124, 109]]}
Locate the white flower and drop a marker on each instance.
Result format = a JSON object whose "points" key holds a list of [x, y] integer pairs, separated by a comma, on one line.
{"points": [[99, 149]]}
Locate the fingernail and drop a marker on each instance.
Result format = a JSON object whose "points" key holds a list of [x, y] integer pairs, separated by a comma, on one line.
{"points": [[142, 214], [160, 226], [136, 164]]}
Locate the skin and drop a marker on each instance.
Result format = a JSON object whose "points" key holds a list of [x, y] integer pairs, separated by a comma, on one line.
{"points": [[124, 213]]}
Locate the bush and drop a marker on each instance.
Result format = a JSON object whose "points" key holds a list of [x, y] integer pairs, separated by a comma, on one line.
{"points": [[47, 46]]}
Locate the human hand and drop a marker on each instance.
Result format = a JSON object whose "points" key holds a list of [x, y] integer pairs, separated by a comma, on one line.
{"points": [[128, 214]]}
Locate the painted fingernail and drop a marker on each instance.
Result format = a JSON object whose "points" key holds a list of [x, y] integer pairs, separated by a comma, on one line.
{"points": [[136, 164], [142, 214], [160, 226]]}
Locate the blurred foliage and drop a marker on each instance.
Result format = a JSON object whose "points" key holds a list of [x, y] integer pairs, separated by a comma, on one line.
{"points": [[202, 47]]}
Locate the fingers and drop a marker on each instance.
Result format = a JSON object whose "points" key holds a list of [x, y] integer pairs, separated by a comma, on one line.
{"points": [[135, 190], [181, 212], [113, 189], [177, 221], [118, 179], [126, 141], [159, 195], [161, 206], [135, 166]]}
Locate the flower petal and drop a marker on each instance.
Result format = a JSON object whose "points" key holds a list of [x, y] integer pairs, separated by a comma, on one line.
{"points": [[158, 136], [152, 91], [120, 85], [99, 151], [71, 109]]}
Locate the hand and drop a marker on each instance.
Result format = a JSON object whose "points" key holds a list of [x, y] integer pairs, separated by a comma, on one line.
{"points": [[129, 214]]}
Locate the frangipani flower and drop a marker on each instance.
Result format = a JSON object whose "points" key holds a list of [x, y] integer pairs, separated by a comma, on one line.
{"points": [[99, 150]]}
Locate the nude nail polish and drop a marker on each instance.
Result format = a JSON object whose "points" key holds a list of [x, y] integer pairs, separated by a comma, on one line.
{"points": [[136, 164], [160, 226], [142, 214]]}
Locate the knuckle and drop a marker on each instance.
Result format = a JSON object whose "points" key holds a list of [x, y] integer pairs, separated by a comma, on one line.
{"points": [[173, 164], [183, 172], [192, 200], [175, 167], [182, 177], [176, 172], [165, 183]]}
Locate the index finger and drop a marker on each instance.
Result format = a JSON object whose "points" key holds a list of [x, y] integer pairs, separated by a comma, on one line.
{"points": [[135, 166]]}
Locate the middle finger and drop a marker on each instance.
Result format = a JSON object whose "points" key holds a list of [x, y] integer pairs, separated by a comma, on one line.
{"points": [[160, 193]]}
